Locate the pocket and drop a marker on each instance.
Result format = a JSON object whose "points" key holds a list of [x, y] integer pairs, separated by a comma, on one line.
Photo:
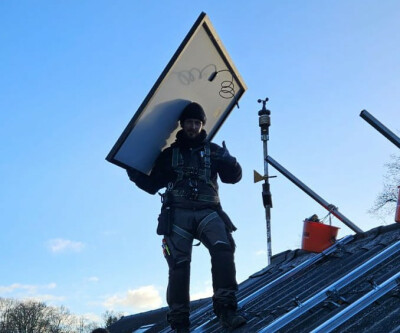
{"points": [[165, 222], [231, 240], [167, 253], [228, 222]]}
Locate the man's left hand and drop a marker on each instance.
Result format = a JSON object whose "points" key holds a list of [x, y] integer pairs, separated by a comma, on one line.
{"points": [[222, 154]]}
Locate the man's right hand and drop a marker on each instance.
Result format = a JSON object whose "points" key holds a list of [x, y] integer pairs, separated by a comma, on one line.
{"points": [[132, 174]]}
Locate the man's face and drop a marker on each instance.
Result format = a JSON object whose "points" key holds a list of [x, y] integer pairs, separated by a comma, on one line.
{"points": [[192, 127]]}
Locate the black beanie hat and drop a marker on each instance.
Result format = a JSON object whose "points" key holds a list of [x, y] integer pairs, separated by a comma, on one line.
{"points": [[193, 111]]}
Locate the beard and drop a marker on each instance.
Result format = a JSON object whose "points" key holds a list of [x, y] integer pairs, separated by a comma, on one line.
{"points": [[184, 140], [191, 135]]}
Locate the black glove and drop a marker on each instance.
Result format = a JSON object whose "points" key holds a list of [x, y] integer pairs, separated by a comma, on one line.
{"points": [[132, 174], [222, 154]]}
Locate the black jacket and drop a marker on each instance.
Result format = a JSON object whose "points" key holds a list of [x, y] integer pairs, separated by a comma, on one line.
{"points": [[192, 152]]}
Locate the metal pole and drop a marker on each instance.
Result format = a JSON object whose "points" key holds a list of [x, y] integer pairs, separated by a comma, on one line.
{"points": [[387, 133], [264, 123], [331, 208]]}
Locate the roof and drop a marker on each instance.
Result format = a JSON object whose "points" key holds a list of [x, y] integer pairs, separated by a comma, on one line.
{"points": [[351, 287]]}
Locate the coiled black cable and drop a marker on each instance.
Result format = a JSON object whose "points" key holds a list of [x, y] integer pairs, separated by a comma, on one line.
{"points": [[227, 90]]}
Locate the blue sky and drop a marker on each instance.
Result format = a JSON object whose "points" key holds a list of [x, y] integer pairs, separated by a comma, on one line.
{"points": [[76, 232]]}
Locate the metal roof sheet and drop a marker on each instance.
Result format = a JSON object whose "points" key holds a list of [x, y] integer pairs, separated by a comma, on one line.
{"points": [[295, 277]]}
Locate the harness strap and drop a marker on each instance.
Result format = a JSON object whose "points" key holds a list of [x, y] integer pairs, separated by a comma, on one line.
{"points": [[175, 157], [177, 163], [203, 173], [181, 232], [205, 221], [207, 162], [198, 197]]}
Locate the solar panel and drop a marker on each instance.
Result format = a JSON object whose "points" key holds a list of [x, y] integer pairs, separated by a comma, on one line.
{"points": [[200, 71]]}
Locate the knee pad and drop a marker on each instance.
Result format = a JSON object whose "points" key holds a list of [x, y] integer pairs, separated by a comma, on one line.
{"points": [[176, 255], [220, 247], [178, 262], [222, 244], [182, 264]]}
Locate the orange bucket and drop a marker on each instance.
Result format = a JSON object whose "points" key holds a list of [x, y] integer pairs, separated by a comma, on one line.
{"points": [[318, 236]]}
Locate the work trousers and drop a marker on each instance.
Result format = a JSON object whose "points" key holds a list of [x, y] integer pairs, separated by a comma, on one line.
{"points": [[207, 226]]}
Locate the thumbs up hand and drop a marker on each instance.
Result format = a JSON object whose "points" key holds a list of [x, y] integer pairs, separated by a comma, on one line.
{"points": [[222, 154]]}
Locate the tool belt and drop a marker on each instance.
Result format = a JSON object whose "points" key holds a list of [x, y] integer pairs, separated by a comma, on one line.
{"points": [[179, 195]]}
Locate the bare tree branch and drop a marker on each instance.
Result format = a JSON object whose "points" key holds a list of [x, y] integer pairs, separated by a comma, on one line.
{"points": [[36, 317], [385, 203]]}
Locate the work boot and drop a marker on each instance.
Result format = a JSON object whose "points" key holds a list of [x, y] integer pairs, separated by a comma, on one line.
{"points": [[230, 319]]}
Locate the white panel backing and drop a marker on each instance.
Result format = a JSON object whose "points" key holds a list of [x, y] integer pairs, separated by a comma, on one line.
{"points": [[185, 79]]}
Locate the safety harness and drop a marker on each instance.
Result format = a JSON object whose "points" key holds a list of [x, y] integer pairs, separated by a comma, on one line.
{"points": [[193, 174], [185, 234]]}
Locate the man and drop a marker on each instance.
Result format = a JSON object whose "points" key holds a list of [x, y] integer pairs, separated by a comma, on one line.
{"points": [[191, 209]]}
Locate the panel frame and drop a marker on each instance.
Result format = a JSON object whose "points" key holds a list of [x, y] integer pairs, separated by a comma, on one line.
{"points": [[202, 22]]}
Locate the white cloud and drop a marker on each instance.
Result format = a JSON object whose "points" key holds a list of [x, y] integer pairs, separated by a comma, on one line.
{"points": [[9, 289], [59, 245], [93, 279], [109, 232], [207, 292], [45, 298], [28, 288], [143, 298], [30, 292], [92, 317], [261, 253]]}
